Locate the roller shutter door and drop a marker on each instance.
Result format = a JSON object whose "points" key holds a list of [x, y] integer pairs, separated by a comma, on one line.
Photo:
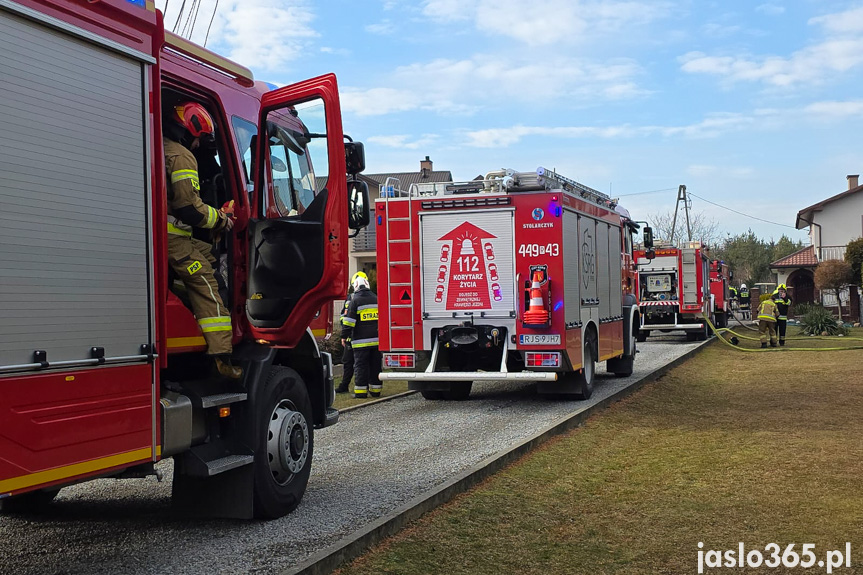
{"points": [[74, 261]]}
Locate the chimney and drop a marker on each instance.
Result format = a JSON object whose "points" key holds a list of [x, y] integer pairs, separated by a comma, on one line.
{"points": [[853, 180], [426, 165]]}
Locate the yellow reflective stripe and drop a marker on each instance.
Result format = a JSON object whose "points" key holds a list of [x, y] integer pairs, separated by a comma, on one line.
{"points": [[212, 217], [67, 471], [216, 328], [174, 230], [181, 175], [217, 319], [767, 317], [356, 345], [173, 342], [348, 321]]}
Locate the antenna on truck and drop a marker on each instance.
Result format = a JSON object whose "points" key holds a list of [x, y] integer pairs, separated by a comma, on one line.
{"points": [[681, 197]]}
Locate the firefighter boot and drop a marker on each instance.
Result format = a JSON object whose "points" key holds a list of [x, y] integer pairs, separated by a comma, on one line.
{"points": [[226, 369], [342, 388], [763, 344], [782, 342]]}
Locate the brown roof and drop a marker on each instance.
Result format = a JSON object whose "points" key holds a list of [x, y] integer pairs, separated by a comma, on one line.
{"points": [[804, 216], [800, 259]]}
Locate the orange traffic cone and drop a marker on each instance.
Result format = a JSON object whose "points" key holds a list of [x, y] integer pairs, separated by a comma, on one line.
{"points": [[536, 313]]}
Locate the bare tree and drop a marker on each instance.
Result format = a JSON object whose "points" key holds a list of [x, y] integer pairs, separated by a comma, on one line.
{"points": [[833, 275], [705, 229]]}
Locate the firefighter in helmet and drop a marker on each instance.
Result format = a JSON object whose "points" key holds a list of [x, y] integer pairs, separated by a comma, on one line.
{"points": [[732, 293], [348, 355], [184, 127], [360, 330], [743, 302], [783, 302], [767, 314]]}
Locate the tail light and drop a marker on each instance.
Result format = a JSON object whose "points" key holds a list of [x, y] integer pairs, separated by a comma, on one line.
{"points": [[399, 360], [542, 359]]}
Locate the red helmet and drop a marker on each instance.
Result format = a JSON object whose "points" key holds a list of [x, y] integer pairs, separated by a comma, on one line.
{"points": [[194, 118]]}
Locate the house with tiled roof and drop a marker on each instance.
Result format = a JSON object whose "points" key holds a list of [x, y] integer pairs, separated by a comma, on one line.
{"points": [[797, 271], [832, 223], [362, 254]]}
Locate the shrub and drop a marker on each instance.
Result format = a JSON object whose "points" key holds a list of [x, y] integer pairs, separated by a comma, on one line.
{"points": [[816, 320], [334, 344]]}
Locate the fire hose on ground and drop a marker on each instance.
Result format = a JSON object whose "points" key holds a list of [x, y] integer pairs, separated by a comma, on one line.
{"points": [[719, 333]]}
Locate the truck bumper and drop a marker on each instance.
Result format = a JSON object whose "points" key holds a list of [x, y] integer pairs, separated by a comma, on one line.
{"points": [[468, 376], [682, 326]]}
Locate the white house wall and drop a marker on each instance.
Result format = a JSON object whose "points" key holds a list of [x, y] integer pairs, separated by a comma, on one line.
{"points": [[840, 221]]}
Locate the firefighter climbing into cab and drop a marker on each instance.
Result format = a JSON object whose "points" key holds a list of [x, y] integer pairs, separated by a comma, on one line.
{"points": [[186, 126]]}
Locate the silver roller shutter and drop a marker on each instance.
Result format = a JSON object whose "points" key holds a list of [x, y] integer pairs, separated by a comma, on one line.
{"points": [[74, 269]]}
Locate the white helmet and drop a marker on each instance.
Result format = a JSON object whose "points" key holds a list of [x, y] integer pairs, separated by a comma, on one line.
{"points": [[742, 286], [360, 281]]}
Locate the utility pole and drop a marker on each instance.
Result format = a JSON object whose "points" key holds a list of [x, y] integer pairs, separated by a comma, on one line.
{"points": [[681, 197]]}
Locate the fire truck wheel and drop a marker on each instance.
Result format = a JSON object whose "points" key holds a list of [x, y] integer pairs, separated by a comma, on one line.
{"points": [[642, 336], [283, 458], [584, 380], [458, 391], [32, 502]]}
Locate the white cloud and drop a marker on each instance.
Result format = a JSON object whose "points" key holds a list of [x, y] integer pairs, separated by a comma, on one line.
{"points": [[847, 22], [543, 22], [404, 141], [840, 52], [810, 65], [465, 86], [265, 34], [707, 128], [770, 9], [385, 27], [836, 110]]}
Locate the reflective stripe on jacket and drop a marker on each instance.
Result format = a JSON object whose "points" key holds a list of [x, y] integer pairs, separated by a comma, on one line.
{"points": [[360, 322], [767, 310]]}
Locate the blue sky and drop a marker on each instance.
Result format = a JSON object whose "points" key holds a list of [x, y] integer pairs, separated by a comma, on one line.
{"points": [[753, 105]]}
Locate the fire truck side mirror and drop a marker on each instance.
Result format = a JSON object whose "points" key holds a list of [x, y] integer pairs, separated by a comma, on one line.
{"points": [[648, 238], [358, 205], [355, 157], [730, 275], [650, 254]]}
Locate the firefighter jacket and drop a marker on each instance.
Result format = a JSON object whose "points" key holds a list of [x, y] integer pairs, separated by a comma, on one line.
{"points": [[360, 322], [733, 292], [185, 207], [345, 310], [743, 294], [782, 304], [768, 311]]}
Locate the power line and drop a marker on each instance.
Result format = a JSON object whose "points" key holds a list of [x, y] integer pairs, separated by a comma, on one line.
{"points": [[213, 17], [648, 192], [741, 213]]}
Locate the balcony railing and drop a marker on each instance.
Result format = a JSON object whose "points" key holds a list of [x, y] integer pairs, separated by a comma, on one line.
{"points": [[365, 241], [831, 253]]}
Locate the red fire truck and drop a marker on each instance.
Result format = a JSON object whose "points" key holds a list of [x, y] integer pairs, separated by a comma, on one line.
{"points": [[102, 370], [719, 278], [674, 291], [522, 276]]}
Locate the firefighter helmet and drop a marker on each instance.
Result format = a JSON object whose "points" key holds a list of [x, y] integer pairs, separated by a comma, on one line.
{"points": [[360, 281], [195, 118], [360, 274], [742, 286]]}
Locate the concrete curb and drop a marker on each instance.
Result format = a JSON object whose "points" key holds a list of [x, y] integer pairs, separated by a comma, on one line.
{"points": [[355, 544]]}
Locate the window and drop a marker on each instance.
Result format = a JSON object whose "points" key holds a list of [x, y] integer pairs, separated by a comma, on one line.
{"points": [[244, 131], [297, 136]]}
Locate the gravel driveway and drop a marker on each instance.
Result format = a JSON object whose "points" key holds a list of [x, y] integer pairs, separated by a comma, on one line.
{"points": [[374, 460]]}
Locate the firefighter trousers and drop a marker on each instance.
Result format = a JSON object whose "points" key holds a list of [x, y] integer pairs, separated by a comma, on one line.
{"points": [[367, 366], [767, 330], [347, 367], [193, 261], [781, 324]]}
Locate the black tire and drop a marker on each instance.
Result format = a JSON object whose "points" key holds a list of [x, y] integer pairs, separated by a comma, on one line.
{"points": [[641, 336], [283, 428], [458, 391], [32, 502], [585, 380], [432, 394], [691, 336]]}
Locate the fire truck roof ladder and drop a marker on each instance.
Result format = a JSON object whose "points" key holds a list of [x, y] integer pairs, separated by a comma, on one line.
{"points": [[392, 189]]}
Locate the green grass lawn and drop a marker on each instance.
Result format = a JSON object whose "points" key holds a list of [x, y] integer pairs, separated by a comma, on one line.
{"points": [[344, 400], [728, 447]]}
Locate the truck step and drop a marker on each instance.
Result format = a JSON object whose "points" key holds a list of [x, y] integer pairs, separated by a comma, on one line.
{"points": [[227, 463], [219, 399]]}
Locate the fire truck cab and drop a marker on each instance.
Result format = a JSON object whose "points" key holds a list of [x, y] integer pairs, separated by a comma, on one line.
{"points": [[522, 276], [102, 364]]}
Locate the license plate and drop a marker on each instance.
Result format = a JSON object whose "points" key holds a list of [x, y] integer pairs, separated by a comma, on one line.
{"points": [[539, 339]]}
